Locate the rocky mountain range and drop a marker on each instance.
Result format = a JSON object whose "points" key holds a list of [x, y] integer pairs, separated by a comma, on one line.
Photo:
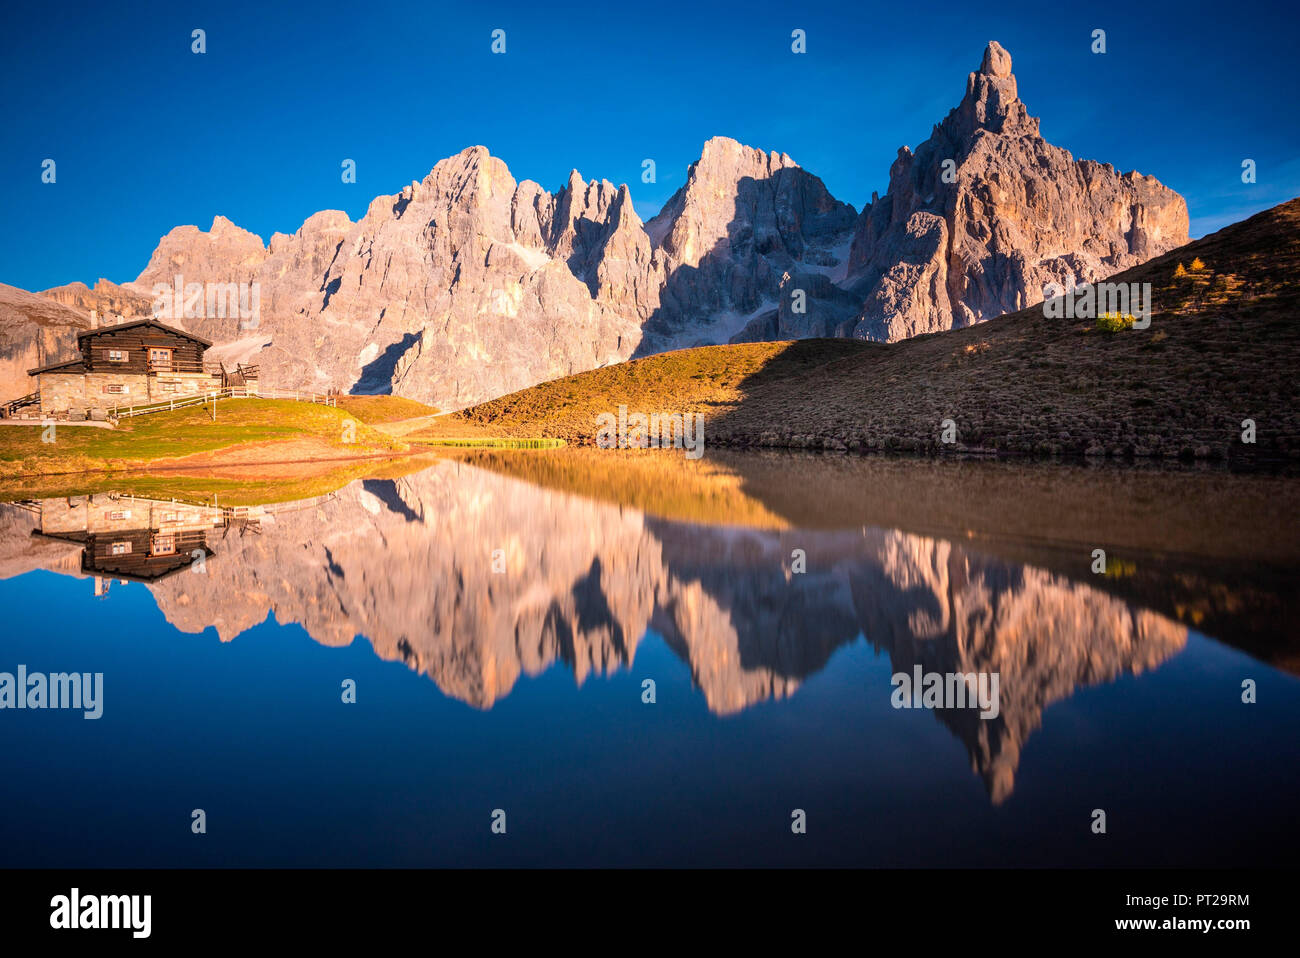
{"points": [[469, 284]]}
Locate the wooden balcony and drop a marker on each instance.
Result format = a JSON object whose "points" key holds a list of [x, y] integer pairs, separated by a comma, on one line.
{"points": [[241, 371], [157, 366]]}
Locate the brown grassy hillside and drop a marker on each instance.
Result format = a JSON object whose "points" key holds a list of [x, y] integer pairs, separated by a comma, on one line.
{"points": [[710, 380], [1223, 346]]}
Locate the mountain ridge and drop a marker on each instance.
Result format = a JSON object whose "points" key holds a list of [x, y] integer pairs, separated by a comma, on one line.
{"points": [[468, 285]]}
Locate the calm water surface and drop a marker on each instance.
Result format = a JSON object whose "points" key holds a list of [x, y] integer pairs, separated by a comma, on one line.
{"points": [[501, 614]]}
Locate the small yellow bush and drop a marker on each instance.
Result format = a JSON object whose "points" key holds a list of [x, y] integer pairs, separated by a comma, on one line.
{"points": [[1180, 272], [1114, 322], [1120, 569], [1197, 265]]}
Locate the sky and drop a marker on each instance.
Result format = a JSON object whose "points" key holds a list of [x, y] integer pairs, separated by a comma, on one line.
{"points": [[147, 135]]}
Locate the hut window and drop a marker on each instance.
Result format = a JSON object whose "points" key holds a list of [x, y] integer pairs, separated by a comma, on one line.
{"points": [[117, 355], [120, 515], [116, 388], [163, 545], [121, 548]]}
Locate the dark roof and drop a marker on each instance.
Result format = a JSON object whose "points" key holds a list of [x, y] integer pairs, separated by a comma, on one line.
{"points": [[158, 570], [71, 366], [143, 322]]}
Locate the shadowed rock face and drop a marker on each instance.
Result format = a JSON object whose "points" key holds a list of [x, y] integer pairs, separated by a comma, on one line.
{"points": [[468, 285], [727, 239], [408, 564]]}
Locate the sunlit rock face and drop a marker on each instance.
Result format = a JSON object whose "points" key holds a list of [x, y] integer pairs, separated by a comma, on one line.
{"points": [[460, 288], [469, 285], [986, 212], [34, 331], [106, 301], [475, 579], [21, 552]]}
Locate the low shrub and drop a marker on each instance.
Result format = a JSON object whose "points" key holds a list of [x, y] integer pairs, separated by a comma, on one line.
{"points": [[1115, 322]]}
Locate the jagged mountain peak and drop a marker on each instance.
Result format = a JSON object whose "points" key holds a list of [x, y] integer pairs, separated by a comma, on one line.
{"points": [[992, 101], [985, 213], [221, 225], [723, 151], [473, 168]]}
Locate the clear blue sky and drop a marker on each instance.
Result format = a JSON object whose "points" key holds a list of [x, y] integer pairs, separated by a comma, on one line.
{"points": [[147, 135]]}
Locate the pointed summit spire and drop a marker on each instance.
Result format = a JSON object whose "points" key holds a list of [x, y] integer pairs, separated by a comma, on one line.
{"points": [[997, 61], [992, 101]]}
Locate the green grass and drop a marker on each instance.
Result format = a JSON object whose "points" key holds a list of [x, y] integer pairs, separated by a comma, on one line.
{"points": [[184, 432]]}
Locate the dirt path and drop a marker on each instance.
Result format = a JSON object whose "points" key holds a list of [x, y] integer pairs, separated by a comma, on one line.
{"points": [[270, 456], [60, 423]]}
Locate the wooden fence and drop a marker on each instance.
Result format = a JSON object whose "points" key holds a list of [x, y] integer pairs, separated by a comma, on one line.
{"points": [[10, 408], [232, 392]]}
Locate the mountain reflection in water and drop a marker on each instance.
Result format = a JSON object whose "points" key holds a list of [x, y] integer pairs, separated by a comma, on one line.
{"points": [[481, 569]]}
